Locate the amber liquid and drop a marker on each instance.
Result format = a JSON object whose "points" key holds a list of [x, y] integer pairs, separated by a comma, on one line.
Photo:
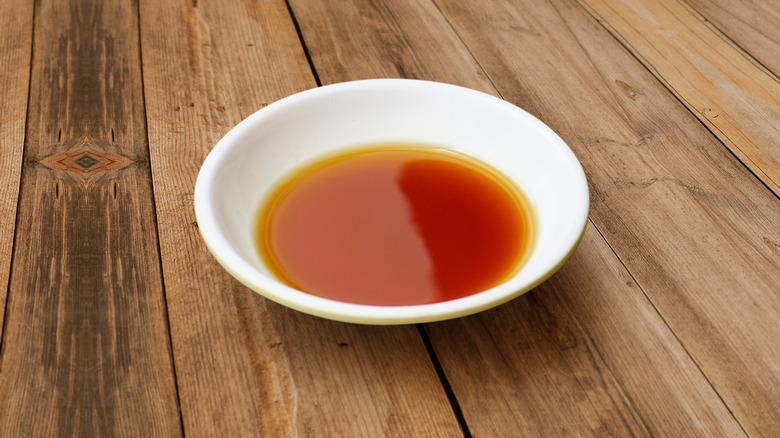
{"points": [[395, 225]]}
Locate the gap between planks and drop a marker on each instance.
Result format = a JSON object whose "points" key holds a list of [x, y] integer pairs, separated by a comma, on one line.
{"points": [[445, 383], [303, 43], [17, 175], [156, 224]]}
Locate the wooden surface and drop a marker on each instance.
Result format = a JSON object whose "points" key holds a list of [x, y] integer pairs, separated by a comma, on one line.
{"points": [[754, 25], [86, 347], [15, 48], [733, 95], [118, 321]]}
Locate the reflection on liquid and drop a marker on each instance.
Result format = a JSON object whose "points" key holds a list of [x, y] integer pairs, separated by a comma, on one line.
{"points": [[397, 226], [468, 223]]}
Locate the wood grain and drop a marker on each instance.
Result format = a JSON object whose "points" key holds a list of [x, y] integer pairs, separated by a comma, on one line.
{"points": [[735, 97], [86, 349], [691, 224], [584, 354], [354, 40], [245, 365], [15, 46], [753, 24]]}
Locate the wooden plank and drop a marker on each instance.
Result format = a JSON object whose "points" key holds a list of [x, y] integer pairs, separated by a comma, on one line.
{"points": [[86, 348], [15, 46], [735, 97], [753, 24], [386, 40], [694, 228], [244, 364], [586, 353]]}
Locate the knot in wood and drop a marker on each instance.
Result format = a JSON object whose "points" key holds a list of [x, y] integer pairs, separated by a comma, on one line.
{"points": [[86, 161]]}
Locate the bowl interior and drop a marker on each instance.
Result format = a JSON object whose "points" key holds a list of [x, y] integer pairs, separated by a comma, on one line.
{"points": [[248, 161]]}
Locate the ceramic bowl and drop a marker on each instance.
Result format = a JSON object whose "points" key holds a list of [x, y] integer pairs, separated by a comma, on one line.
{"points": [[254, 155]]}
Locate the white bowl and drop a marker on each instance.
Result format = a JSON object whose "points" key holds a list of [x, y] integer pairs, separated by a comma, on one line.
{"points": [[246, 163]]}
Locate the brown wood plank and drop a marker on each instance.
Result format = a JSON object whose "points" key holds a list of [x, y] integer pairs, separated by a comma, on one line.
{"points": [[694, 228], [15, 46], [357, 39], [735, 97], [244, 364], [753, 24], [586, 353], [86, 349]]}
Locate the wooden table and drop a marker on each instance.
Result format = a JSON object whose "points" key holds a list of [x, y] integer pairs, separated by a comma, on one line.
{"points": [[117, 320]]}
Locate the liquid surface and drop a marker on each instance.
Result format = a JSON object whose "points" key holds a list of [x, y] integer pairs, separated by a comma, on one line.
{"points": [[395, 226]]}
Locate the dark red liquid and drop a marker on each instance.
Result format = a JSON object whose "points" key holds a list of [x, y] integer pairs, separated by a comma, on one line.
{"points": [[398, 226]]}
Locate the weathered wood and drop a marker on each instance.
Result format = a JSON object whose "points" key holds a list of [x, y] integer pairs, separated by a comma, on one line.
{"points": [[753, 24], [356, 40], [244, 364], [86, 349], [15, 46], [735, 97], [695, 229], [586, 353]]}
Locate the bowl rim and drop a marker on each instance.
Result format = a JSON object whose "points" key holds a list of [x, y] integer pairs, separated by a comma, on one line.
{"points": [[271, 288]]}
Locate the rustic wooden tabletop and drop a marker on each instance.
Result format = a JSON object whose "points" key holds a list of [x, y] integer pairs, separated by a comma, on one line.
{"points": [[117, 320]]}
